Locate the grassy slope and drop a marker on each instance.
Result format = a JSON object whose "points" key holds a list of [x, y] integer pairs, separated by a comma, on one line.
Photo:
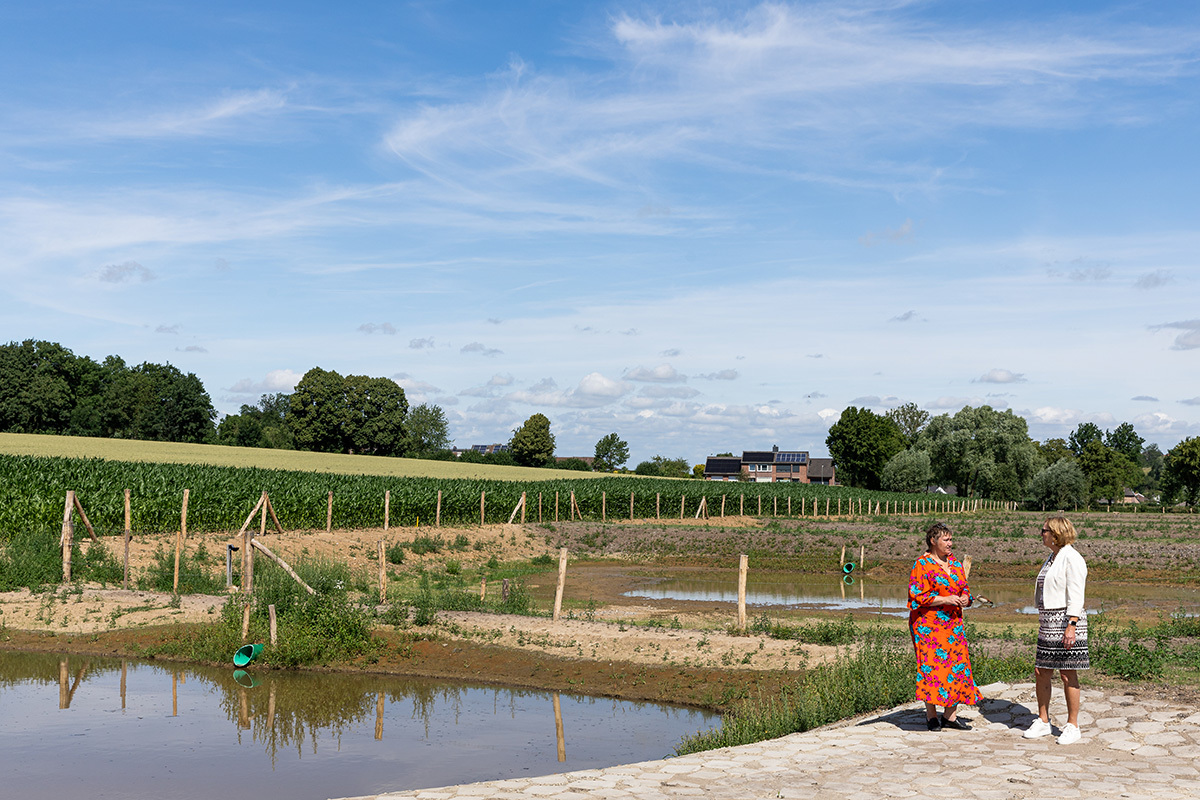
{"points": [[219, 455]]}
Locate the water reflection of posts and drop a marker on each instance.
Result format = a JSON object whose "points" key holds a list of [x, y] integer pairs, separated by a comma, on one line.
{"points": [[562, 579], [743, 568], [123, 665], [379, 717], [271, 707], [558, 730], [243, 710], [174, 693], [67, 687]]}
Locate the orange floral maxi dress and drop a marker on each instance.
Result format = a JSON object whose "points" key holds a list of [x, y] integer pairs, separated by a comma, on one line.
{"points": [[939, 636]]}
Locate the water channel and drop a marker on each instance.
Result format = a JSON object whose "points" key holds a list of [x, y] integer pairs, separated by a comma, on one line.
{"points": [[837, 593], [73, 726]]}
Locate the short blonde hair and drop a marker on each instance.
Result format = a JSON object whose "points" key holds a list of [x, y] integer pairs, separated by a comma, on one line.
{"points": [[1061, 529]]}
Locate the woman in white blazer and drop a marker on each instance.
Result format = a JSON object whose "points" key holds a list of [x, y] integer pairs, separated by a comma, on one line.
{"points": [[1062, 627]]}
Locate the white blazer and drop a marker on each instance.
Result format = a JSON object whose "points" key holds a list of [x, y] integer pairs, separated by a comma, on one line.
{"points": [[1064, 583]]}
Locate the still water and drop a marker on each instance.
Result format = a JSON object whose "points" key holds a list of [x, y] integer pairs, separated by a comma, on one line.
{"points": [[834, 593], [72, 726]]}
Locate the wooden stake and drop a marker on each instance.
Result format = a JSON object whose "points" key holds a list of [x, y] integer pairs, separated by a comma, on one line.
{"points": [[743, 568], [128, 536], [604, 506], [722, 505], [682, 501], [482, 589], [329, 514], [387, 508], [481, 507], [83, 515], [271, 511], [520, 506], [741, 505], [562, 580], [523, 504], [283, 564], [68, 535], [382, 574], [246, 620], [631, 506], [274, 630], [556, 506], [437, 520], [179, 539], [657, 505]]}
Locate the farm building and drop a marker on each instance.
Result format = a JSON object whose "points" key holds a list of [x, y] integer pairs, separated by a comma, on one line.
{"points": [[770, 466]]}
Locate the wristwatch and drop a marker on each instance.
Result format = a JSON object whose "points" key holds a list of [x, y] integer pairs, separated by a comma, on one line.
{"points": [[1071, 623]]}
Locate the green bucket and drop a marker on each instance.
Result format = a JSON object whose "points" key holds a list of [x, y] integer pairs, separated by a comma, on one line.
{"points": [[246, 653], [243, 678], [848, 567]]}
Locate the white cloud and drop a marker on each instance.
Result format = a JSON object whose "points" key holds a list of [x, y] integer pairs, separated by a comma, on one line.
{"points": [[1189, 339], [277, 380], [420, 344], [482, 349], [1144, 398], [907, 316], [899, 234], [1192, 401], [171, 329], [1155, 279], [385, 328], [720, 375], [1000, 376], [593, 391], [681, 392], [663, 373], [501, 380], [125, 272]]}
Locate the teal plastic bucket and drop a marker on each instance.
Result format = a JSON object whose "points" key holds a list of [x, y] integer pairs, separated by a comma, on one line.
{"points": [[246, 653], [848, 579], [848, 567], [245, 679]]}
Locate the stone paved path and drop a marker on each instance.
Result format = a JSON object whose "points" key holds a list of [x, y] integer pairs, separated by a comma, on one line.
{"points": [[1140, 750]]}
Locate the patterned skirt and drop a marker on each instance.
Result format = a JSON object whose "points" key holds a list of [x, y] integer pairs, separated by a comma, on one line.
{"points": [[1051, 654]]}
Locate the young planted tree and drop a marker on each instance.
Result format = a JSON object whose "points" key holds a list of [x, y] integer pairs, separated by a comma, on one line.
{"points": [[861, 443]]}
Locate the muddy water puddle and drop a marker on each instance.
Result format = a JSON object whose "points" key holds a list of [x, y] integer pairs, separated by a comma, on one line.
{"points": [[72, 726], [857, 593]]}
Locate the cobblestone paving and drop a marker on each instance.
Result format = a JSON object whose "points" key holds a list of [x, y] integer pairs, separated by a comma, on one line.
{"points": [[1139, 750]]}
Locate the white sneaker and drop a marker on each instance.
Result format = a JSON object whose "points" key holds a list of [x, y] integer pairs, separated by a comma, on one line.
{"points": [[1070, 734], [1039, 729]]}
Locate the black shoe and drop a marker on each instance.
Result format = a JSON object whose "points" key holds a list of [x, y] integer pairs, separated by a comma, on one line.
{"points": [[934, 724], [956, 724]]}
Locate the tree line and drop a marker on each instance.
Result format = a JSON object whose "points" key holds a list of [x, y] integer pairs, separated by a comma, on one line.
{"points": [[45, 388], [983, 452]]}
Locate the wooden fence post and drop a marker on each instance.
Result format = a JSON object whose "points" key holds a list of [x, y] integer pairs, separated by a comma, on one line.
{"points": [[682, 501], [604, 506], [387, 508], [657, 505], [562, 580], [328, 515], [743, 568], [631, 506], [437, 521], [68, 535], [274, 630], [382, 574], [722, 505], [481, 508], [522, 508], [128, 536], [179, 539]]}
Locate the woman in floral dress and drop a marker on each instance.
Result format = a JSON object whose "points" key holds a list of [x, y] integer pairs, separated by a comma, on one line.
{"points": [[937, 594]]}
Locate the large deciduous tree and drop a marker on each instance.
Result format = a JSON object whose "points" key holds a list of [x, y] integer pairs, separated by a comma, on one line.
{"points": [[532, 444], [1181, 472], [611, 453], [982, 449], [861, 442], [1108, 472], [907, 471], [1125, 440], [1081, 436], [428, 431], [910, 419], [331, 414], [1060, 486]]}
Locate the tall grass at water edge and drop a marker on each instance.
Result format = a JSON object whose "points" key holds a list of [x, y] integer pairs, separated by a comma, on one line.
{"points": [[878, 672]]}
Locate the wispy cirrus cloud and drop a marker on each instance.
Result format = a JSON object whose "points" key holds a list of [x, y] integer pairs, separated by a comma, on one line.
{"points": [[125, 272]]}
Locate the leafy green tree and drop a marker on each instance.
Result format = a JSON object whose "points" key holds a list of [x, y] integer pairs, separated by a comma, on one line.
{"points": [[532, 444], [861, 442], [1181, 472], [663, 467], [1053, 450], [375, 412], [611, 453], [1151, 462], [911, 420], [1125, 441], [317, 412], [1081, 436], [38, 387], [907, 471], [428, 431], [1108, 472], [1060, 486], [261, 425], [577, 464], [969, 448], [698, 471]]}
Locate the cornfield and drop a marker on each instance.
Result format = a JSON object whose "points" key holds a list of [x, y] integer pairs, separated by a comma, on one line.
{"points": [[34, 487]]}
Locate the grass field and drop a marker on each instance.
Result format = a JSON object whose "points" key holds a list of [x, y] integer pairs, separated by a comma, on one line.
{"points": [[24, 444]]}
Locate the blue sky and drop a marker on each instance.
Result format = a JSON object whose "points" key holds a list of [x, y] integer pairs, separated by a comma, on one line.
{"points": [[706, 227]]}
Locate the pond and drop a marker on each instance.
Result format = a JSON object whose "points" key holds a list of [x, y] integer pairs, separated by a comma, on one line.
{"points": [[835, 592], [72, 726]]}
